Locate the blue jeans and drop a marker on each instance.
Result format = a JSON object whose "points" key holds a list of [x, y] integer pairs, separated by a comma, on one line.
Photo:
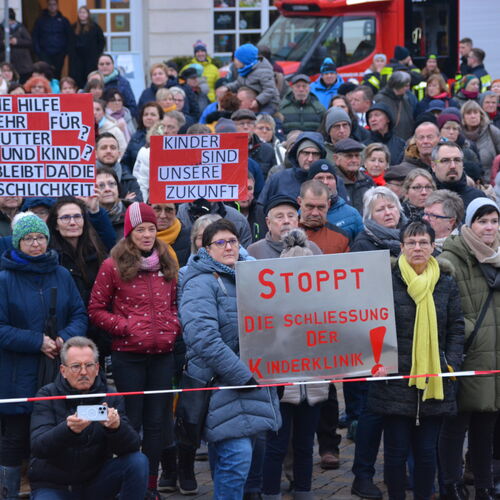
{"points": [[302, 420], [368, 436], [230, 461], [125, 476], [401, 434], [254, 479]]}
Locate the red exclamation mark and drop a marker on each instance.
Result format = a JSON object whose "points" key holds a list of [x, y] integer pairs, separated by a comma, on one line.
{"points": [[377, 335]]}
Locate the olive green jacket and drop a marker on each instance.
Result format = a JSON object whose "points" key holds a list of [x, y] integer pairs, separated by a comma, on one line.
{"points": [[476, 393]]}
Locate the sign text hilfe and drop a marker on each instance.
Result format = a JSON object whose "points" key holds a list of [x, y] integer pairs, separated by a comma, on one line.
{"points": [[316, 317], [187, 167], [47, 145]]}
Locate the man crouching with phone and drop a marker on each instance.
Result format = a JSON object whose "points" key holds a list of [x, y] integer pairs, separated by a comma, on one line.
{"points": [[84, 448]]}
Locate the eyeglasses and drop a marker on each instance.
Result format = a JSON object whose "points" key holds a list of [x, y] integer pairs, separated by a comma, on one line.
{"points": [[418, 187], [448, 161], [264, 129], [167, 210], [66, 219], [110, 184], [421, 244], [179, 99], [77, 368], [233, 242], [30, 240], [314, 154], [430, 215]]}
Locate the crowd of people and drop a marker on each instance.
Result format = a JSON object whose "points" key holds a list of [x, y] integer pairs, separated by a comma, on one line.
{"points": [[112, 288]]}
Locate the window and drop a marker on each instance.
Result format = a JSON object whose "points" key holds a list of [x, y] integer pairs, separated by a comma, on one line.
{"points": [[115, 19], [349, 40], [291, 37], [240, 21]]}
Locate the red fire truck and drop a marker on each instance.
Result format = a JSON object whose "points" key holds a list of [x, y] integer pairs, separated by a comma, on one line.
{"points": [[351, 32]]}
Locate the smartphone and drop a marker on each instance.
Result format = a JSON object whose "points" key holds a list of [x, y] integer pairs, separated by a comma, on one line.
{"points": [[96, 413]]}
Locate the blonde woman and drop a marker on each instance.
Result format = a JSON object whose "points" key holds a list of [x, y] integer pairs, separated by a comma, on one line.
{"points": [[476, 127]]}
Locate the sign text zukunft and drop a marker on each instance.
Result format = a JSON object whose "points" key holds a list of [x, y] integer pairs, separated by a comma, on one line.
{"points": [[188, 167]]}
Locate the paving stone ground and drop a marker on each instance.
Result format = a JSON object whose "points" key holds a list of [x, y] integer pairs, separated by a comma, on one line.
{"points": [[326, 483]]}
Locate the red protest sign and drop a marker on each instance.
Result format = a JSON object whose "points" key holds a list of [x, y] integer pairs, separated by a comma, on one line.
{"points": [[47, 145], [189, 167]]}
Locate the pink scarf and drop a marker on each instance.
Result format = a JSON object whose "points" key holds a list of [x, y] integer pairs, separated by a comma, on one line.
{"points": [[151, 263]]}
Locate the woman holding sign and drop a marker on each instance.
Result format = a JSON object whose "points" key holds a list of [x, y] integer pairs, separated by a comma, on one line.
{"points": [[209, 319], [476, 259], [430, 330]]}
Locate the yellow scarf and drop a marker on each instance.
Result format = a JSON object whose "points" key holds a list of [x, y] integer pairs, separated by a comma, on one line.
{"points": [[425, 351], [169, 236]]}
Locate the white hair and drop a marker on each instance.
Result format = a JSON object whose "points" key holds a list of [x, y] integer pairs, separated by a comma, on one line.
{"points": [[372, 195]]}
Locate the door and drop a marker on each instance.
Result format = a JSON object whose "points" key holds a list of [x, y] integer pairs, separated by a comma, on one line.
{"points": [[431, 27]]}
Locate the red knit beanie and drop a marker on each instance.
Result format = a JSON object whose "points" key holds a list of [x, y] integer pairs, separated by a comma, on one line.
{"points": [[136, 214]]}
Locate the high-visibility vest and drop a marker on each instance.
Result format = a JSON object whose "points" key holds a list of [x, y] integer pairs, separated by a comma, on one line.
{"points": [[419, 90], [485, 82], [374, 81]]}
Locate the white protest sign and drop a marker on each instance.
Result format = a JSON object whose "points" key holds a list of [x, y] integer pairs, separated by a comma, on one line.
{"points": [[316, 317]]}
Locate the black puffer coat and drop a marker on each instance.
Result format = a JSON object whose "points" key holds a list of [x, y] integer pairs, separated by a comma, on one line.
{"points": [[397, 397], [59, 456]]}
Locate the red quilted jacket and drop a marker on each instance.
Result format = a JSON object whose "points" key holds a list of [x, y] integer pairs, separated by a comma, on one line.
{"points": [[140, 315]]}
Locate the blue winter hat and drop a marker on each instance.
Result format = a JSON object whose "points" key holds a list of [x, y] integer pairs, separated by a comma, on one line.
{"points": [[26, 223], [436, 105], [328, 66], [247, 53], [30, 203]]}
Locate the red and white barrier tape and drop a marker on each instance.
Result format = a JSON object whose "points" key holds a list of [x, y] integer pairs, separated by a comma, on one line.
{"points": [[280, 384]]}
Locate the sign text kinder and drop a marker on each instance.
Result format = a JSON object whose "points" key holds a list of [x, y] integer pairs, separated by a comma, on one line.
{"points": [[187, 167]]}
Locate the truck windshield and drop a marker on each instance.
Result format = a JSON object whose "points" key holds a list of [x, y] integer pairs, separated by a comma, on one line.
{"points": [[289, 38]]}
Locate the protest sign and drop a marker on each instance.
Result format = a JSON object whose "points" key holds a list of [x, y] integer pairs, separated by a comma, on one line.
{"points": [[316, 317], [47, 145], [187, 167]]}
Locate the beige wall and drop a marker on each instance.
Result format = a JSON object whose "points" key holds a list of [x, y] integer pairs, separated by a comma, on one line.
{"points": [[172, 26]]}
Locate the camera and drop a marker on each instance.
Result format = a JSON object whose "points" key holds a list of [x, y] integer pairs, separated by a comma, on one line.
{"points": [[96, 413]]}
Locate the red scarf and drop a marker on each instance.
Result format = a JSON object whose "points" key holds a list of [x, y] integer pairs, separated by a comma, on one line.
{"points": [[442, 95], [469, 94], [379, 180]]}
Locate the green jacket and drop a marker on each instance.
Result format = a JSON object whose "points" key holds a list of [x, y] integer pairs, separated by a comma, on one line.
{"points": [[476, 393], [296, 116]]}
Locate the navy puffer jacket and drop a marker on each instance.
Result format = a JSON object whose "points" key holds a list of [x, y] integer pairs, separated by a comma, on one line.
{"points": [[397, 397], [24, 308], [61, 457], [210, 329]]}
